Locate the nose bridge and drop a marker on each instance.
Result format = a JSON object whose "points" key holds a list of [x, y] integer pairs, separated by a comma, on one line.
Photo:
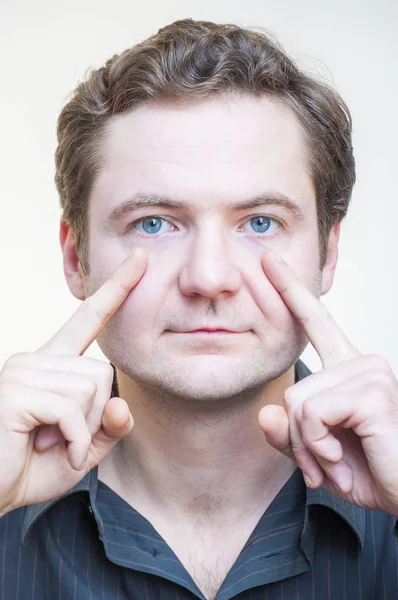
{"points": [[209, 269]]}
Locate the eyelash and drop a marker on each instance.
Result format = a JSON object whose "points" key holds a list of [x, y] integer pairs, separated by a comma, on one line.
{"points": [[133, 225]]}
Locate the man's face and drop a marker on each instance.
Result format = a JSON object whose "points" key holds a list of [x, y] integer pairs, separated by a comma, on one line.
{"points": [[209, 187]]}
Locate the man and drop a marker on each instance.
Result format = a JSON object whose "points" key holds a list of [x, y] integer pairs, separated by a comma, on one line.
{"points": [[203, 179]]}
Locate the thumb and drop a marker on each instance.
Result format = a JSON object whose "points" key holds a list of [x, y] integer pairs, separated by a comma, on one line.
{"points": [[117, 423], [274, 422]]}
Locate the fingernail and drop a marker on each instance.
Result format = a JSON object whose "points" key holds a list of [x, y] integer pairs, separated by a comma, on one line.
{"points": [[308, 480]]}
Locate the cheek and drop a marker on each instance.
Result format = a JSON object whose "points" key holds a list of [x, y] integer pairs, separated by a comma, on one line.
{"points": [[273, 309], [139, 313]]}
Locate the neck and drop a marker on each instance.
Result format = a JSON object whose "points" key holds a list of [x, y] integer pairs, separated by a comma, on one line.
{"points": [[186, 458]]}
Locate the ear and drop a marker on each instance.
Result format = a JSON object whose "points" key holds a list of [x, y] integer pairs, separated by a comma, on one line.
{"points": [[331, 259], [72, 268]]}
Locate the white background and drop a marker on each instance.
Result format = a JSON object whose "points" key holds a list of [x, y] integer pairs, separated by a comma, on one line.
{"points": [[46, 48]]}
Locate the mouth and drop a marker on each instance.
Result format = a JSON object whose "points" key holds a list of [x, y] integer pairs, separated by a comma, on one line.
{"points": [[208, 331]]}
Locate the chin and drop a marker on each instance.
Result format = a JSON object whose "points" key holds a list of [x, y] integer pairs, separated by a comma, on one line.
{"points": [[202, 379], [208, 380]]}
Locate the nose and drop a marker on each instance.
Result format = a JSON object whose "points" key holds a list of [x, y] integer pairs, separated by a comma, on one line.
{"points": [[209, 270]]}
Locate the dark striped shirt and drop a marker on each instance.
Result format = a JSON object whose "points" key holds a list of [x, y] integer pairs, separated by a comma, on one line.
{"points": [[91, 544]]}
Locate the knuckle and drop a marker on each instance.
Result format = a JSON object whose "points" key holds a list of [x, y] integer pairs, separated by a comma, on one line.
{"points": [[8, 391], [101, 372], [310, 408], [378, 363], [307, 439], [102, 378], [70, 410], [107, 374], [300, 453], [381, 380], [10, 386], [9, 376], [16, 360], [376, 391], [289, 397], [85, 437], [379, 399], [108, 369], [92, 308], [321, 315], [88, 388]]}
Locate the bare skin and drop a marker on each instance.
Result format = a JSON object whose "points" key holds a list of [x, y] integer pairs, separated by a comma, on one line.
{"points": [[340, 425], [56, 387]]}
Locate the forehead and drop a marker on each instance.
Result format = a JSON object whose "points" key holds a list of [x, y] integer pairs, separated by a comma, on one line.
{"points": [[225, 147]]}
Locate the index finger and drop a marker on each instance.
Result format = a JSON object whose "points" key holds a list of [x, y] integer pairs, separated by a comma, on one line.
{"points": [[321, 329], [86, 323]]}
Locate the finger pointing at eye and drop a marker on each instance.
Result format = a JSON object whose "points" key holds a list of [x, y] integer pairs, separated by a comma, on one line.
{"points": [[322, 331]]}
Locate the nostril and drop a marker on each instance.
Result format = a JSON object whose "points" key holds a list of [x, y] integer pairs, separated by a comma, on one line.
{"points": [[209, 280]]}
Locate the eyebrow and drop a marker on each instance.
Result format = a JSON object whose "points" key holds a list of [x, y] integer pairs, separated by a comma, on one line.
{"points": [[142, 200]]}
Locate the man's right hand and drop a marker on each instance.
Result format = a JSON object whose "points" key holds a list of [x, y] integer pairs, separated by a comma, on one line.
{"points": [[57, 420]]}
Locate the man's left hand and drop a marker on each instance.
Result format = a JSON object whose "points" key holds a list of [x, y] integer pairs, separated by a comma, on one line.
{"points": [[339, 425]]}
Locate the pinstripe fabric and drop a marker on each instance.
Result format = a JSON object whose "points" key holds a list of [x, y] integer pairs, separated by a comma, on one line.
{"points": [[90, 544]]}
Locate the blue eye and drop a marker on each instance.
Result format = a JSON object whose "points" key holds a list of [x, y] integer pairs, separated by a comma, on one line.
{"points": [[260, 224], [152, 224]]}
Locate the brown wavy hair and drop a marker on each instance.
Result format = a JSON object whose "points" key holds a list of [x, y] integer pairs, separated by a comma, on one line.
{"points": [[194, 60]]}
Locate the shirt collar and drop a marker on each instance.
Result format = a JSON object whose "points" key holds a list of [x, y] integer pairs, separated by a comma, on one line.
{"points": [[35, 511], [354, 516]]}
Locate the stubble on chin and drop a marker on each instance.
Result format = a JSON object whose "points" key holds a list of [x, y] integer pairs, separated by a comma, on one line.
{"points": [[214, 386]]}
